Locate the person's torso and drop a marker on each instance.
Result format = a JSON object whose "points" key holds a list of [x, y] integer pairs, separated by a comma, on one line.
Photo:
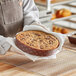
{"points": [[11, 17]]}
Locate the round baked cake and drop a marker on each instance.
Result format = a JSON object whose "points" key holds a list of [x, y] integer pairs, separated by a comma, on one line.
{"points": [[37, 42]]}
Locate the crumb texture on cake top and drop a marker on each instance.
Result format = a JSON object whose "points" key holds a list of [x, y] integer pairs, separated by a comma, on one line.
{"points": [[38, 40]]}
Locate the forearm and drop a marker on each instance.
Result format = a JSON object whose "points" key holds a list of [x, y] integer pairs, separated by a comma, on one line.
{"points": [[30, 12], [31, 15]]}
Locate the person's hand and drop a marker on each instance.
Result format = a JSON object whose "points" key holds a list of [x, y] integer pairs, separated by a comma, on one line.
{"points": [[4, 45], [36, 26]]}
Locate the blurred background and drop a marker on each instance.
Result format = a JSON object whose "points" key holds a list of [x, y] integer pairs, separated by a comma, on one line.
{"points": [[58, 15]]}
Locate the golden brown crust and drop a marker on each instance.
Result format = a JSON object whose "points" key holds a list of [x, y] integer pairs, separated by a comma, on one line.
{"points": [[63, 13], [60, 30], [53, 16], [38, 41]]}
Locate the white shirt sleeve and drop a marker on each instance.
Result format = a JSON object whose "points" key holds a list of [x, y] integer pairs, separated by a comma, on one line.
{"points": [[30, 12], [4, 45]]}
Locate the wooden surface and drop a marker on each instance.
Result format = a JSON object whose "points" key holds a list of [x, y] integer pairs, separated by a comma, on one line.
{"points": [[9, 65], [10, 70], [13, 64]]}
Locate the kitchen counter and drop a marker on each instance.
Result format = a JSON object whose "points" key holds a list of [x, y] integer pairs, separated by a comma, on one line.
{"points": [[10, 70], [13, 64]]}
